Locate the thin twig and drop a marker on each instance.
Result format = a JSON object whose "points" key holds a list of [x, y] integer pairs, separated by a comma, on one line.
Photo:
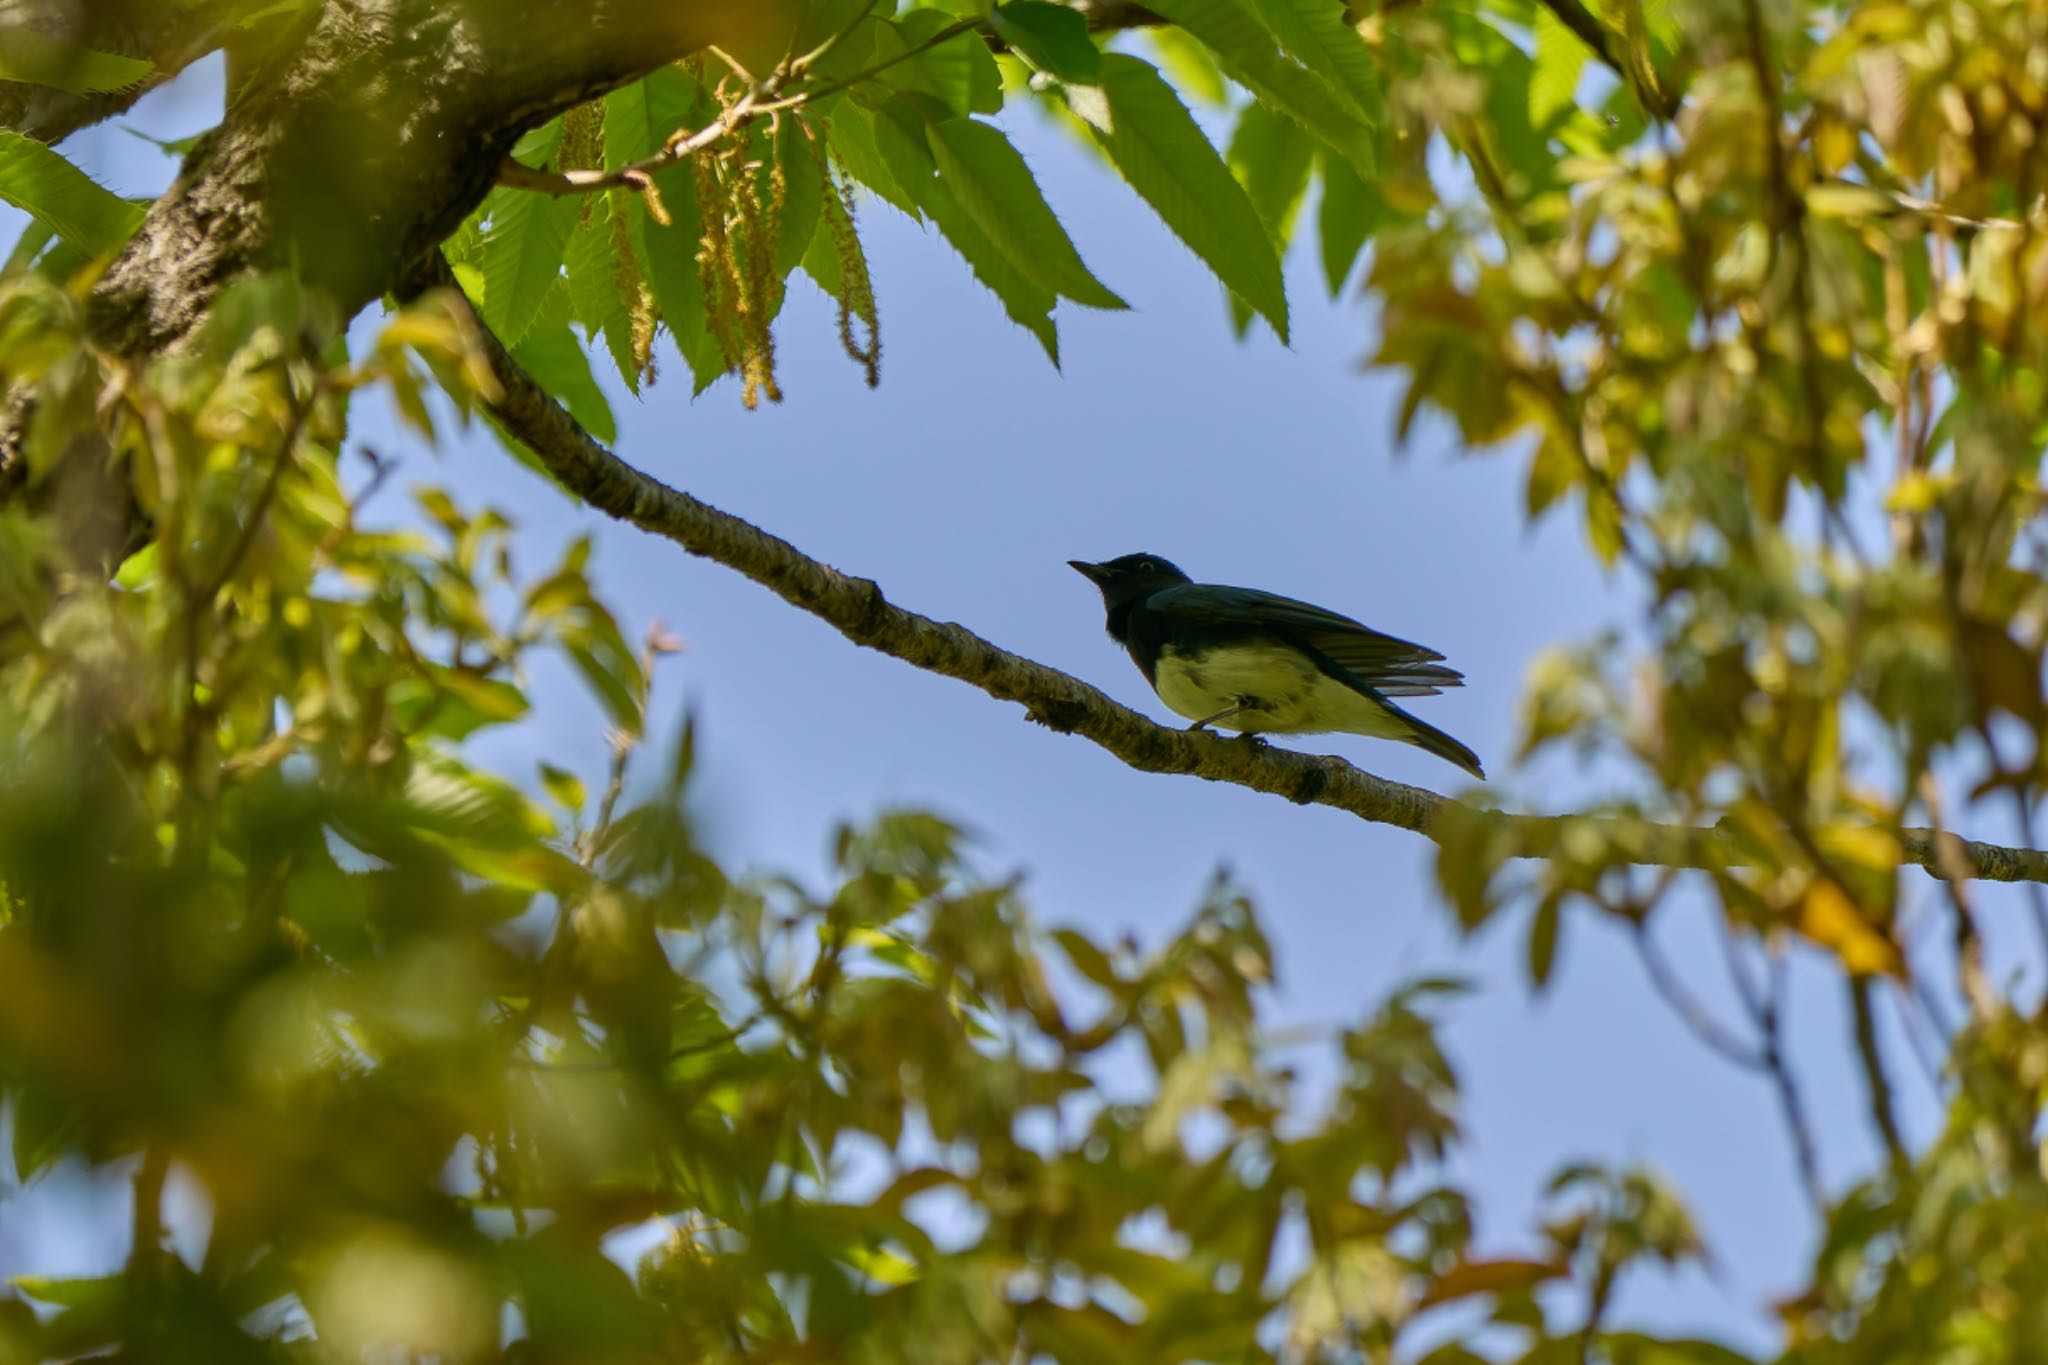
{"points": [[757, 101], [1972, 977], [1771, 1022], [636, 175], [1689, 1007], [1877, 1085], [1911, 1025], [825, 49]]}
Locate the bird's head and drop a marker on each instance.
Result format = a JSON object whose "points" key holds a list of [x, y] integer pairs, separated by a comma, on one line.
{"points": [[1129, 578]]}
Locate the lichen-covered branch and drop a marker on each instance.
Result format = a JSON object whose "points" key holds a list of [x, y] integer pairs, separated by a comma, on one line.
{"points": [[857, 608]]}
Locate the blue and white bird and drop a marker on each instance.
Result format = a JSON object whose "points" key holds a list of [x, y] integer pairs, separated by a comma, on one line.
{"points": [[1259, 663]]}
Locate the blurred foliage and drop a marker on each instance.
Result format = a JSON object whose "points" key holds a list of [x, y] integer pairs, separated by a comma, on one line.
{"points": [[1752, 285], [469, 1068]]}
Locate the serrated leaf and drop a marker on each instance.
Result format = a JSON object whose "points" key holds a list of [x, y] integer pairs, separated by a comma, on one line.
{"points": [[993, 186], [591, 260], [853, 133], [900, 142], [961, 71], [1315, 34], [1053, 38], [1194, 68], [1249, 53], [551, 353], [803, 194], [41, 183], [34, 57], [521, 258], [1160, 150], [1351, 210], [1560, 57], [1272, 158], [1028, 304]]}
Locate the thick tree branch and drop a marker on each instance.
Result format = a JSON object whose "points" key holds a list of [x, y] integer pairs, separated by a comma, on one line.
{"points": [[857, 609]]}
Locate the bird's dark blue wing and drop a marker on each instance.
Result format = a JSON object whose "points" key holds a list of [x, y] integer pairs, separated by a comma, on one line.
{"points": [[1391, 666]]}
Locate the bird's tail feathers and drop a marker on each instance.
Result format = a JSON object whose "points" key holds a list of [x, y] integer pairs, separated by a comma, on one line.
{"points": [[1426, 736]]}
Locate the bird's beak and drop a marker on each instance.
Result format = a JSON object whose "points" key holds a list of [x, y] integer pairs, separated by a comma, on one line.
{"points": [[1091, 572]]}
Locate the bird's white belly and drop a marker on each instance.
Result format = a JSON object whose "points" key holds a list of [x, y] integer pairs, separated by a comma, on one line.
{"points": [[1281, 692]]}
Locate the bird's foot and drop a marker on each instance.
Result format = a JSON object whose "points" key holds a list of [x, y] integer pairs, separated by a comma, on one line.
{"points": [[1255, 739]]}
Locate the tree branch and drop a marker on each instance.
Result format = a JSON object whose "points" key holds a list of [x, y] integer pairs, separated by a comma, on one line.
{"points": [[1594, 34], [856, 608]]}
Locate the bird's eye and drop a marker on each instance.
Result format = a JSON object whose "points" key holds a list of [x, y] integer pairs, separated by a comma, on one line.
{"points": [[1147, 566]]}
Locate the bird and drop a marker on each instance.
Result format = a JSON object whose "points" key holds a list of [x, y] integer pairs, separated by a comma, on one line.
{"points": [[1261, 664]]}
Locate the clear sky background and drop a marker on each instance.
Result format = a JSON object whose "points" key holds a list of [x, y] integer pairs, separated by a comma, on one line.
{"points": [[963, 485]]}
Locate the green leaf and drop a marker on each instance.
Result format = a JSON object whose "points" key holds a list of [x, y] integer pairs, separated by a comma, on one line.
{"points": [[1351, 210], [638, 119], [69, 202], [521, 258], [1247, 51], [451, 704], [1053, 38], [1315, 34], [1157, 146], [35, 235], [1028, 304], [1272, 158], [591, 260], [34, 57], [901, 143], [1194, 68], [993, 186], [42, 1128], [961, 71], [1560, 57], [855, 138], [803, 193], [175, 147], [564, 786], [551, 353]]}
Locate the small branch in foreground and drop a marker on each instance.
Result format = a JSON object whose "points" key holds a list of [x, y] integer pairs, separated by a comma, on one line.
{"points": [[1689, 1008], [639, 174], [1877, 1085], [1771, 1024], [856, 608]]}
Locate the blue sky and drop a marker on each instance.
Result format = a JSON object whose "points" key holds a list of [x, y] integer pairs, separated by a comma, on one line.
{"points": [[963, 485]]}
